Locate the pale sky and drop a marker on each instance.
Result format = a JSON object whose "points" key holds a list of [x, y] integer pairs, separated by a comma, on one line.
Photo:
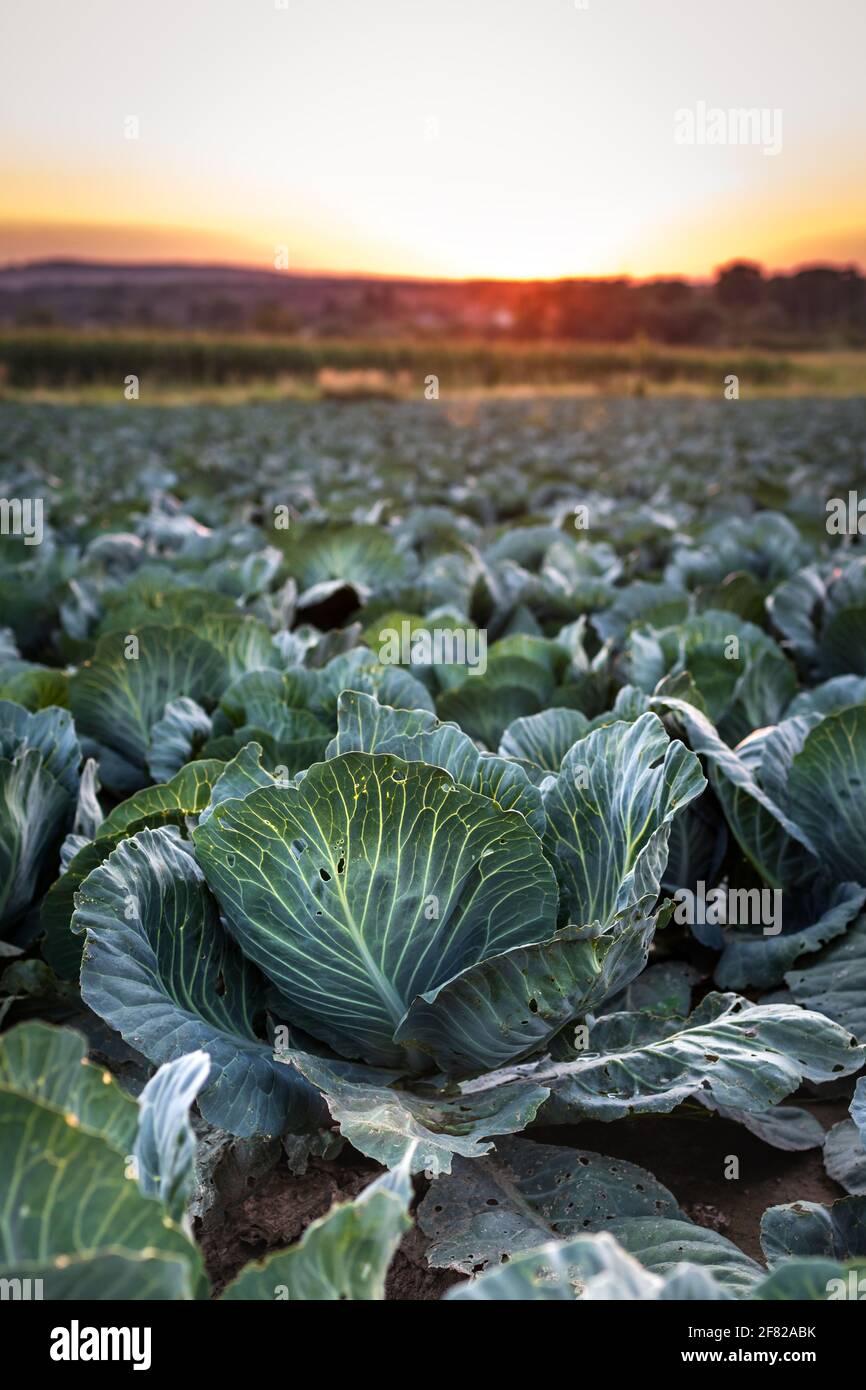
{"points": [[456, 137]]}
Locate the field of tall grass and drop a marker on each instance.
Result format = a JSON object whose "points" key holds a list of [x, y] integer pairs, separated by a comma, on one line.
{"points": [[96, 364]]}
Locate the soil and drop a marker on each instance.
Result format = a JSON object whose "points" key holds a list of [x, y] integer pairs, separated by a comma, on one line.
{"points": [[276, 1208], [273, 1211], [411, 1278], [688, 1154]]}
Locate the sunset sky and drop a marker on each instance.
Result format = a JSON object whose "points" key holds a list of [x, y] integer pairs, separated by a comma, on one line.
{"points": [[508, 138]]}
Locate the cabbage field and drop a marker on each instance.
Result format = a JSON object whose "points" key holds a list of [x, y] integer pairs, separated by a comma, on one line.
{"points": [[433, 850]]}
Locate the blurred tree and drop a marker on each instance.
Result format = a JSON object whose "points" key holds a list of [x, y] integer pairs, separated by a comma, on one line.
{"points": [[818, 298], [740, 285]]}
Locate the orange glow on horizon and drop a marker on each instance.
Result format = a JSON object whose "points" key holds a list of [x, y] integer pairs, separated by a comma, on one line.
{"points": [[776, 247]]}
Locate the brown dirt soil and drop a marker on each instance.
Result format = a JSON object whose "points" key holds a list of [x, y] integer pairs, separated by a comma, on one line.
{"points": [[274, 1212], [686, 1153], [277, 1207], [410, 1278]]}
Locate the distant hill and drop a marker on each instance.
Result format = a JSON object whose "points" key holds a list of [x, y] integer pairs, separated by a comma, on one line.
{"points": [[815, 306]]}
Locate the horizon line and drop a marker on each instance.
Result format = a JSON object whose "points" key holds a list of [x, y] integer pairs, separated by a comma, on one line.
{"points": [[164, 263]]}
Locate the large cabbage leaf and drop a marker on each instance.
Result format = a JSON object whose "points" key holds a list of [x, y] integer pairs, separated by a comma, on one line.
{"points": [[76, 1218], [747, 1056], [608, 813], [160, 969], [368, 882]]}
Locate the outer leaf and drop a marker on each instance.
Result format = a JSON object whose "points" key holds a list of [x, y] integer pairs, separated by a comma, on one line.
{"points": [[561, 1271], [34, 811], [365, 726], [545, 738], [387, 1124], [835, 983], [368, 882], [858, 1108], [510, 1005], [49, 1065], [117, 701], [244, 642], [159, 968], [88, 812], [807, 1228], [589, 1267], [749, 1056], [66, 1192], [152, 595], [845, 1157], [185, 796], [661, 1243], [524, 1194], [793, 606], [34, 687], [106, 1275], [607, 814], [293, 713], [183, 727], [362, 671], [364, 557], [700, 645], [486, 706], [762, 693], [51, 732], [830, 696], [805, 1280], [239, 777], [39, 787], [660, 605], [825, 791], [165, 1145], [60, 947], [771, 752], [767, 835], [751, 958], [169, 803], [290, 740]]}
